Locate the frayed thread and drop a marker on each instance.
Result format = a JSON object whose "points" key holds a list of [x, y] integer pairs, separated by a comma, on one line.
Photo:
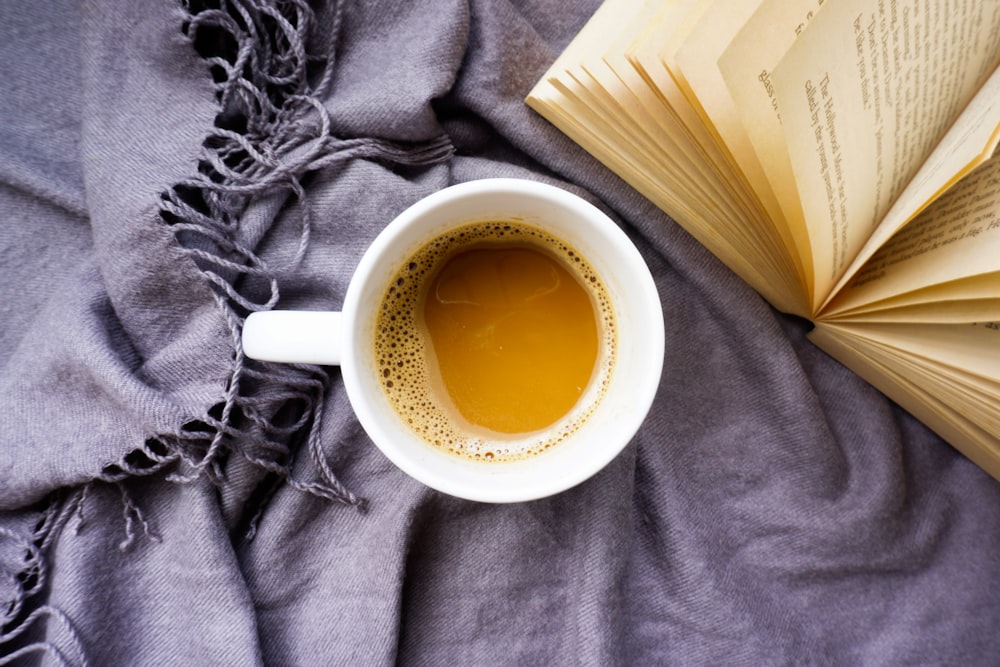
{"points": [[272, 130], [29, 578], [133, 517], [47, 647]]}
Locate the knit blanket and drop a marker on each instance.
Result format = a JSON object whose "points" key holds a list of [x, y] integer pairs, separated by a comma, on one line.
{"points": [[169, 166]]}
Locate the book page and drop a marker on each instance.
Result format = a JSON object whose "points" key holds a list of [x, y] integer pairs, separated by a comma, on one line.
{"points": [[959, 361], [639, 61], [567, 97], [684, 189], [945, 375], [745, 66], [657, 128], [949, 245], [943, 312], [970, 142], [649, 147], [698, 70], [865, 93]]}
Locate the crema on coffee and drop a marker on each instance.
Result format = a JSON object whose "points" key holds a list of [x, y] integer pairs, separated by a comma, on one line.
{"points": [[495, 341]]}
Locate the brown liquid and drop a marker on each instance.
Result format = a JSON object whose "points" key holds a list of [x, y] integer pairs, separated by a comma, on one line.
{"points": [[494, 341], [514, 336]]}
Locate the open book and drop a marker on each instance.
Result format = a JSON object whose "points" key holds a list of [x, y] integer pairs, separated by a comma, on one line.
{"points": [[837, 155]]}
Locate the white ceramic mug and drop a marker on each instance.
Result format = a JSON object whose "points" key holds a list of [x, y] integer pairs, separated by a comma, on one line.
{"points": [[346, 338]]}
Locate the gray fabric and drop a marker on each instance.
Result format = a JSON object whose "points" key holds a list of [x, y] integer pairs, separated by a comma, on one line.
{"points": [[165, 501]]}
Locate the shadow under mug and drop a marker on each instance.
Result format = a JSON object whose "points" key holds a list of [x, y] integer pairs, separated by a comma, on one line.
{"points": [[346, 338]]}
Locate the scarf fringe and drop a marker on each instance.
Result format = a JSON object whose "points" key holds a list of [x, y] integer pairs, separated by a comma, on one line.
{"points": [[24, 567], [272, 130]]}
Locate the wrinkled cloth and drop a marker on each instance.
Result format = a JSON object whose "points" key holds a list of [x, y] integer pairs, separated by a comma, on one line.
{"points": [[168, 167]]}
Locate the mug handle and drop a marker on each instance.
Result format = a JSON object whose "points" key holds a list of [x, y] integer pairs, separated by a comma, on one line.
{"points": [[294, 336]]}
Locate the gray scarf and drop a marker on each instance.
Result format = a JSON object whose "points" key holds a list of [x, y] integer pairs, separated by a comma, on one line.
{"points": [[165, 169]]}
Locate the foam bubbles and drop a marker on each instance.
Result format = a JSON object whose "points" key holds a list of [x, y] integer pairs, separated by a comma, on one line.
{"points": [[405, 360]]}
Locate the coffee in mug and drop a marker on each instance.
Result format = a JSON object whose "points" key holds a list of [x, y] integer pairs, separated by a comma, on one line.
{"points": [[500, 340], [494, 340]]}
